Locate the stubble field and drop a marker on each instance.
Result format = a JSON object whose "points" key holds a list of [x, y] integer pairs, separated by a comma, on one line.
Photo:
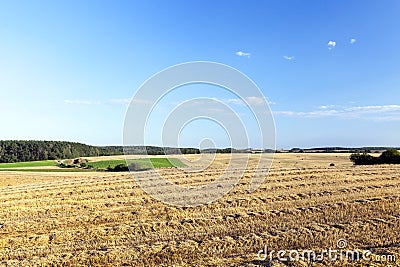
{"points": [[105, 219]]}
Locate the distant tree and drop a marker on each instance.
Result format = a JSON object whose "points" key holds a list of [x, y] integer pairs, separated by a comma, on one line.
{"points": [[390, 156], [363, 159]]}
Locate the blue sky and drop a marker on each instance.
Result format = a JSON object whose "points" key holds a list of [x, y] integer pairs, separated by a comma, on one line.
{"points": [[330, 69]]}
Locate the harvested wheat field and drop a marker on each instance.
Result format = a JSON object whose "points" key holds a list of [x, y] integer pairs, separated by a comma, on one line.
{"points": [[105, 219]]}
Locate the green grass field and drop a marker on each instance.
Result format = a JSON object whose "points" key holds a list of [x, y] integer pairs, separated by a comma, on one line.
{"points": [[104, 164], [34, 166], [45, 170], [43, 163], [143, 163], [166, 163]]}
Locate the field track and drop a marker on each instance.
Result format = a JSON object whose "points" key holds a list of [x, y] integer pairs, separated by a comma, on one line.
{"points": [[105, 219]]}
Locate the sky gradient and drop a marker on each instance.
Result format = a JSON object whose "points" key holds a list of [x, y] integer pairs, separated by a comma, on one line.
{"points": [[329, 69]]}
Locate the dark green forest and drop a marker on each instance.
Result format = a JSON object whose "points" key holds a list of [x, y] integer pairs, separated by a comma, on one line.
{"points": [[18, 151]]}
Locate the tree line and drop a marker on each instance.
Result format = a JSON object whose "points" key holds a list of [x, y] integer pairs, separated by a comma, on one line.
{"points": [[390, 156], [20, 151]]}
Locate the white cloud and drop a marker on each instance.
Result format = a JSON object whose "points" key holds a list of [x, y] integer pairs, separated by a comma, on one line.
{"points": [[127, 101], [235, 101], [353, 40], [288, 57], [381, 113], [327, 106], [308, 114], [375, 109], [243, 54], [251, 100], [81, 102], [255, 100], [331, 44], [120, 100]]}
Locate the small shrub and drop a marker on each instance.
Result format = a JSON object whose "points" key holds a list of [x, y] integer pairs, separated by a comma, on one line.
{"points": [[63, 165], [118, 168]]}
